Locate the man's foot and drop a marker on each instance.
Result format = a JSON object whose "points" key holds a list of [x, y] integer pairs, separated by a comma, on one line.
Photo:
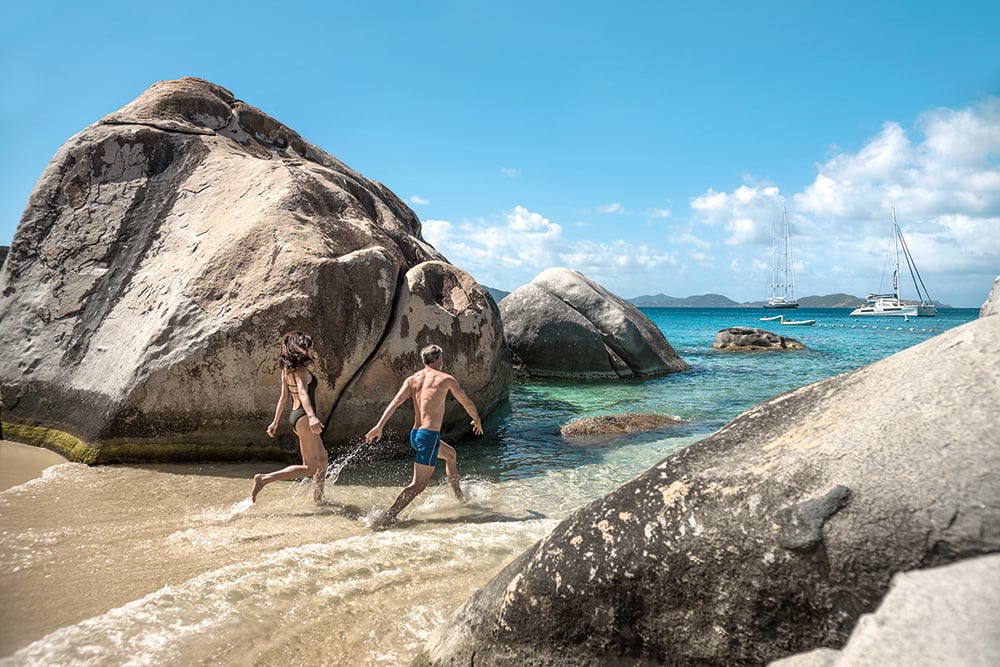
{"points": [[258, 484], [318, 494], [378, 519]]}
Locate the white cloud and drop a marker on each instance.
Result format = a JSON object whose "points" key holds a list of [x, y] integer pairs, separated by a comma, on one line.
{"points": [[509, 172], [417, 199], [943, 179], [509, 252], [690, 239]]}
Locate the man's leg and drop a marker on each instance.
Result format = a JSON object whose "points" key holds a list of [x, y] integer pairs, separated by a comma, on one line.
{"points": [[450, 456], [421, 475]]}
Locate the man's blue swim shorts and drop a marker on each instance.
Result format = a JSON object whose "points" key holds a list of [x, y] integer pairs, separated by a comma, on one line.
{"points": [[426, 444]]}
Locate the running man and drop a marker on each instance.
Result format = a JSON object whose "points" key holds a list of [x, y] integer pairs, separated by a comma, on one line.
{"points": [[428, 388]]}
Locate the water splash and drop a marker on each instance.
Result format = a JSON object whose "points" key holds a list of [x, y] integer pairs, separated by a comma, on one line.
{"points": [[334, 469], [376, 518], [240, 507]]}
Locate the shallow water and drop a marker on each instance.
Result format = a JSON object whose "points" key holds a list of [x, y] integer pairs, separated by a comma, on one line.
{"points": [[171, 565]]}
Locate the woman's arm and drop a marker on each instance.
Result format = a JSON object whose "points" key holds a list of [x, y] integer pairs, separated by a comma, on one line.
{"points": [[315, 425], [282, 400]]}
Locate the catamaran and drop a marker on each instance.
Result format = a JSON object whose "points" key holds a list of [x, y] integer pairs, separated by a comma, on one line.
{"points": [[890, 304], [783, 278]]}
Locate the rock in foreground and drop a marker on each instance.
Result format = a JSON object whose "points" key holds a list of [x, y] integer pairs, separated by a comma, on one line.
{"points": [[563, 324], [940, 616], [770, 537]]}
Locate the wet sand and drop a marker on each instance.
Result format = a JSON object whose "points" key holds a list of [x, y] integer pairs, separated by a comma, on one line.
{"points": [[21, 463]]}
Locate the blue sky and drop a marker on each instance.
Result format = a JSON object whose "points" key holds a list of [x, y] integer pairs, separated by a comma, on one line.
{"points": [[650, 145]]}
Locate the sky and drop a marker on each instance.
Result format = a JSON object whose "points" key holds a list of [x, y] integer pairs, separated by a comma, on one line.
{"points": [[652, 146]]}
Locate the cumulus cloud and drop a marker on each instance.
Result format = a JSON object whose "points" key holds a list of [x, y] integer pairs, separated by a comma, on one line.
{"points": [[417, 199], [747, 213], [520, 244], [942, 178]]}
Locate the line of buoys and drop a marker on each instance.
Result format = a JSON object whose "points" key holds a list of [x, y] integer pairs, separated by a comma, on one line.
{"points": [[874, 327]]}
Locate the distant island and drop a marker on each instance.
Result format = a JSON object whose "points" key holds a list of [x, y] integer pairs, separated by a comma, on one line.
{"points": [[720, 301]]}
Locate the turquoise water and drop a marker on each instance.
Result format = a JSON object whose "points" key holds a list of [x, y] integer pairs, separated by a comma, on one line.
{"points": [[523, 441], [200, 575]]}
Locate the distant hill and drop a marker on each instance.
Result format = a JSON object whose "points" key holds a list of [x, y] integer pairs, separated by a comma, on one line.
{"points": [[497, 294], [831, 301], [700, 301]]}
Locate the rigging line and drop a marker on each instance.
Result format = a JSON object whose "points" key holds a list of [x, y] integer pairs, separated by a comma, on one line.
{"points": [[918, 282]]}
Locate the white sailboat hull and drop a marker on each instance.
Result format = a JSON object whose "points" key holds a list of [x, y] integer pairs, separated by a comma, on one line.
{"points": [[890, 305]]}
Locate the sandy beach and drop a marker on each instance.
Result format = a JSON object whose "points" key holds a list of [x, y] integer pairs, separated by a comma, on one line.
{"points": [[21, 463]]}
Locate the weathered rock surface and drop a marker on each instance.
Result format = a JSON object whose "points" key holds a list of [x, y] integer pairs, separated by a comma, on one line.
{"points": [[746, 338], [165, 249], [4, 250], [629, 422], [769, 538], [992, 304], [940, 616], [563, 324]]}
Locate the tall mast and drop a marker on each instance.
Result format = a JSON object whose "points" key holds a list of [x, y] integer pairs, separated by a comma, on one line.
{"points": [[895, 245], [789, 271]]}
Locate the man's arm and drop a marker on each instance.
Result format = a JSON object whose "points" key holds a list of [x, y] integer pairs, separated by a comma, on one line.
{"points": [[470, 407], [401, 397]]}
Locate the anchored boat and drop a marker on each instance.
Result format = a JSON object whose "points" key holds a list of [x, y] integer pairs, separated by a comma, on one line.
{"points": [[782, 276], [890, 304]]}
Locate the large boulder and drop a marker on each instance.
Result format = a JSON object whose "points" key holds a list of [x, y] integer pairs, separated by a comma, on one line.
{"points": [[768, 538], [166, 248], [992, 304], [562, 324], [748, 338]]}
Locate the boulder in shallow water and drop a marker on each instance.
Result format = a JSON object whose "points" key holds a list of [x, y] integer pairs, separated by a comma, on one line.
{"points": [[562, 324], [747, 338], [621, 424], [770, 537], [167, 247]]}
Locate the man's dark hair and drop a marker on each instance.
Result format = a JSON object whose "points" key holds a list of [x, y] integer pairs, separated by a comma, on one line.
{"points": [[430, 354]]}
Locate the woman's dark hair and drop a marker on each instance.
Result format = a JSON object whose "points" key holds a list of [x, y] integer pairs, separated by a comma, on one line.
{"points": [[295, 350]]}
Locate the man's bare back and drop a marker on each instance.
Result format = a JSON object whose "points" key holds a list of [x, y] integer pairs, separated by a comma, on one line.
{"points": [[428, 390]]}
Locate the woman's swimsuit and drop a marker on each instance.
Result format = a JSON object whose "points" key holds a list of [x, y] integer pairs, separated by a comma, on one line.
{"points": [[426, 443], [300, 412]]}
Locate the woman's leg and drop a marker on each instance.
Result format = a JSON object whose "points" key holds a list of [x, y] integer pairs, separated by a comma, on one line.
{"points": [[314, 459], [314, 456]]}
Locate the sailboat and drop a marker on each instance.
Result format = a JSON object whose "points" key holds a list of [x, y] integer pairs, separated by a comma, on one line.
{"points": [[782, 278], [890, 304]]}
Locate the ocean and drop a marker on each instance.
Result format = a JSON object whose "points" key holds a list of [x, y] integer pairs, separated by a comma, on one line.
{"points": [[171, 564]]}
